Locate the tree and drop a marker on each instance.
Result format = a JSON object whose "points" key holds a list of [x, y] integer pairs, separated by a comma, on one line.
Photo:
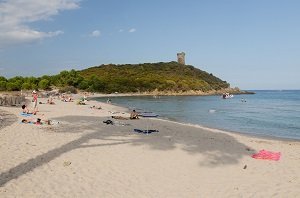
{"points": [[96, 84], [26, 86], [83, 85], [12, 86], [2, 78], [44, 84], [3, 85]]}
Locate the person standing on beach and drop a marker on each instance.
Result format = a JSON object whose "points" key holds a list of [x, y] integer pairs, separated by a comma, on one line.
{"points": [[34, 100]]}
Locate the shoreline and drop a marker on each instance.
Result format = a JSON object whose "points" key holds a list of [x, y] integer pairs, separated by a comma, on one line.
{"points": [[82, 156], [249, 135], [171, 93], [269, 137]]}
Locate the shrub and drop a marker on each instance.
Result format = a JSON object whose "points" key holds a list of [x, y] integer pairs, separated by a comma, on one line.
{"points": [[44, 84], [2, 85], [26, 86], [68, 89]]}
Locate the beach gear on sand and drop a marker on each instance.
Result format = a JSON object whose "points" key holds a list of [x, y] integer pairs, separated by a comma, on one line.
{"points": [[148, 114], [25, 114], [145, 131], [108, 122], [267, 155]]}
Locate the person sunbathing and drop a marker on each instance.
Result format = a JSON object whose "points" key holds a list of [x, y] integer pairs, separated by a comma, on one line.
{"points": [[80, 102], [119, 117], [29, 121], [37, 122], [68, 99], [94, 107], [50, 101]]}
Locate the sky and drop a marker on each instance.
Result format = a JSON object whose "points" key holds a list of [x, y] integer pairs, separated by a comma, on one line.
{"points": [[250, 44]]}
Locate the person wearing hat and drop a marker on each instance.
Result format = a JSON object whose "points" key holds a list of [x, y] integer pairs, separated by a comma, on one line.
{"points": [[34, 100]]}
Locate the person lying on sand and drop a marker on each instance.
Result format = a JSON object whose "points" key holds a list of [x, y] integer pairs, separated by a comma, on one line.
{"points": [[80, 102], [37, 122], [68, 100], [120, 117], [94, 107], [50, 101]]}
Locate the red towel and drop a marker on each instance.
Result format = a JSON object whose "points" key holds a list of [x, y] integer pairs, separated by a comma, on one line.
{"points": [[268, 155]]}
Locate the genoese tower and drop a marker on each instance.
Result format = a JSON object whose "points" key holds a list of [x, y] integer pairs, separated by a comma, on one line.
{"points": [[181, 58]]}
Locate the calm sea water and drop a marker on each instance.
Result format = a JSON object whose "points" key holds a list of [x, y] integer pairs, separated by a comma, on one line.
{"points": [[266, 113]]}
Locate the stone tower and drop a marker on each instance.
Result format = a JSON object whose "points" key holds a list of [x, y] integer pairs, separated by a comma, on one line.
{"points": [[181, 58]]}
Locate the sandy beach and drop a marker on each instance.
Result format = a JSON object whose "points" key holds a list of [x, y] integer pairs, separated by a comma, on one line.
{"points": [[80, 156]]}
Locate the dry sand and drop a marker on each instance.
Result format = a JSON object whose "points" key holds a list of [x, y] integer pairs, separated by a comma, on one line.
{"points": [[83, 157]]}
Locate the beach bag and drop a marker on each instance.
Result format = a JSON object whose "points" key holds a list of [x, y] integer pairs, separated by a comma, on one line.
{"points": [[108, 122]]}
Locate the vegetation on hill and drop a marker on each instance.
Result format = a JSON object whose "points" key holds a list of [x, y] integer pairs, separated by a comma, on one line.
{"points": [[151, 76], [123, 78], [63, 79]]}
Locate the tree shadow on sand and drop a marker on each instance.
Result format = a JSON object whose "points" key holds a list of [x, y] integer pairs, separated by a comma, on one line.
{"points": [[6, 119], [217, 148]]}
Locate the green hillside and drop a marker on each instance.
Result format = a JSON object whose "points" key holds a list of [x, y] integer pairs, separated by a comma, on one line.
{"points": [[169, 76], [148, 77]]}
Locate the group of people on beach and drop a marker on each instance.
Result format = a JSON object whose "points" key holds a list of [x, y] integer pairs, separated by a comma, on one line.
{"points": [[133, 116], [66, 98], [26, 111], [39, 121]]}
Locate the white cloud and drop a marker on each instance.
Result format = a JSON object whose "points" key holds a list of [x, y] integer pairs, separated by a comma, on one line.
{"points": [[95, 33], [16, 16], [132, 30]]}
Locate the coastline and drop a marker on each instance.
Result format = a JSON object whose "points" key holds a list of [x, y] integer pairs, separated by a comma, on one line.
{"points": [[180, 93], [82, 156], [247, 135], [263, 136]]}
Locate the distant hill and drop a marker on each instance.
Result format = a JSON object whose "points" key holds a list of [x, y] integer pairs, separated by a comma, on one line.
{"points": [[149, 77]]}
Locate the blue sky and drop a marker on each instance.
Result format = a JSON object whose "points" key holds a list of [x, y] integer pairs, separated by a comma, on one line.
{"points": [[250, 44]]}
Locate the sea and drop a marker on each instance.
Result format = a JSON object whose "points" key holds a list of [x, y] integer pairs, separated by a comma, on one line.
{"points": [[267, 113]]}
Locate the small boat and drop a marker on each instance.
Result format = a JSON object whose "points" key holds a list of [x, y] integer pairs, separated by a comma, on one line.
{"points": [[227, 96]]}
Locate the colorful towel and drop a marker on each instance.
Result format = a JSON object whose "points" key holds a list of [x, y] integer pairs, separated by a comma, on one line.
{"points": [[267, 155], [145, 131], [26, 114]]}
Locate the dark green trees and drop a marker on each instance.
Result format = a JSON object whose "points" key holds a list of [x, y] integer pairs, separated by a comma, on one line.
{"points": [[123, 78]]}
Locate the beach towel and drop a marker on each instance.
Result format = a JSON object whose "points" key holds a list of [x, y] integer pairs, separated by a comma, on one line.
{"points": [[145, 131], [26, 114], [54, 122], [267, 155], [27, 122]]}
